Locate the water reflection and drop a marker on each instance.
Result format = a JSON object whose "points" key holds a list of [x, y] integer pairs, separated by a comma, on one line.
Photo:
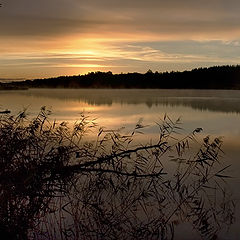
{"points": [[217, 112], [211, 100]]}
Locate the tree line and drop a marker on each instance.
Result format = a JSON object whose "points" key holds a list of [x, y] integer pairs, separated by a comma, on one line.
{"points": [[216, 77]]}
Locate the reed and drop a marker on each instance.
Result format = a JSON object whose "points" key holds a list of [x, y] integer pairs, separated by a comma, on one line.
{"points": [[57, 185]]}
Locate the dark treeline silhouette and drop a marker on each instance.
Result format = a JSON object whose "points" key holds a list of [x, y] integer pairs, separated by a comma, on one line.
{"points": [[12, 86], [217, 77]]}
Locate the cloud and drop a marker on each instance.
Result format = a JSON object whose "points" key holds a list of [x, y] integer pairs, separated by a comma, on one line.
{"points": [[114, 55], [183, 19], [35, 26], [62, 35]]}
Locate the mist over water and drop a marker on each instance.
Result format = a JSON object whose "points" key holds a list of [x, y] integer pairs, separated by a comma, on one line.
{"points": [[217, 112]]}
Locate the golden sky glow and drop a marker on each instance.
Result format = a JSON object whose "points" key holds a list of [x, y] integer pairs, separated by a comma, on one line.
{"points": [[65, 37]]}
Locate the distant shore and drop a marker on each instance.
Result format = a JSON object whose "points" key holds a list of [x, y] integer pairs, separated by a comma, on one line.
{"points": [[217, 77], [9, 87]]}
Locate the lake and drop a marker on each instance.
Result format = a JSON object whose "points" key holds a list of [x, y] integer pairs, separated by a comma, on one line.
{"points": [[217, 112]]}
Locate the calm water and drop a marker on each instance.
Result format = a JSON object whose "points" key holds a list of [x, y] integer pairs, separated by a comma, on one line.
{"points": [[217, 112]]}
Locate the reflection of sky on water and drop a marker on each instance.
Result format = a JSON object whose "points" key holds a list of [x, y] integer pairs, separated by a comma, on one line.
{"points": [[126, 107], [217, 112]]}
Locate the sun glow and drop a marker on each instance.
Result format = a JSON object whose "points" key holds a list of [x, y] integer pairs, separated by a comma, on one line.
{"points": [[79, 54]]}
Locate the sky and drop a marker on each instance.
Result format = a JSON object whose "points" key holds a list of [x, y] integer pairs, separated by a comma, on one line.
{"points": [[47, 38]]}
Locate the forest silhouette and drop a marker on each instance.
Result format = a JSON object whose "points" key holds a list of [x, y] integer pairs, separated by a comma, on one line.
{"points": [[217, 77]]}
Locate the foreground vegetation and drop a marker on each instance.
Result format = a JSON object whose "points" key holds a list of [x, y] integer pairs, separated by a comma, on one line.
{"points": [[218, 77], [56, 184]]}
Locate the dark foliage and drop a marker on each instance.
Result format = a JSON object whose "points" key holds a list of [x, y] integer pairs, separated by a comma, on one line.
{"points": [[218, 77], [54, 184]]}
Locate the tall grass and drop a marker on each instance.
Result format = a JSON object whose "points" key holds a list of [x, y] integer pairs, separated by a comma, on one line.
{"points": [[57, 185]]}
